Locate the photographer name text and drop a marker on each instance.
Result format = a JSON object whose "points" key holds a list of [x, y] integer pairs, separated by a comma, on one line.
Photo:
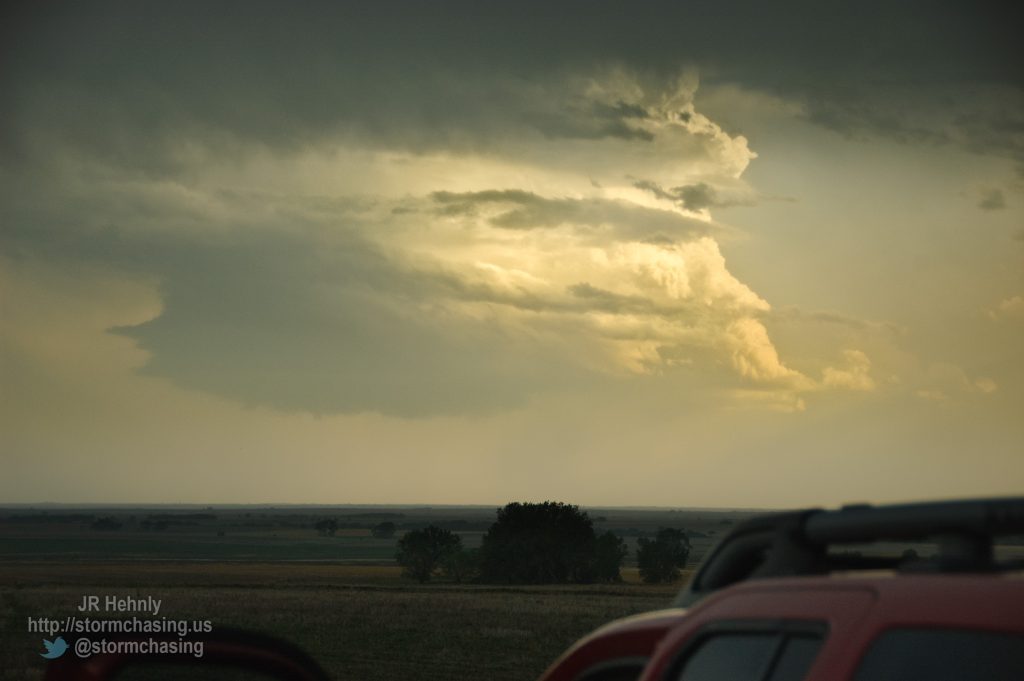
{"points": [[120, 604]]}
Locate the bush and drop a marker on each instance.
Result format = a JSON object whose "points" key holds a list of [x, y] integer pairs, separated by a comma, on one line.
{"points": [[661, 558], [421, 552]]}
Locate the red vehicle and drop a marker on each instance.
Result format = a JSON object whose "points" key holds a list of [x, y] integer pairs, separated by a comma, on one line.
{"points": [[778, 601]]}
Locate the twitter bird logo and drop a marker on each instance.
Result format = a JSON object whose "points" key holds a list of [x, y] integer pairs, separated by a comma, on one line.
{"points": [[54, 649]]}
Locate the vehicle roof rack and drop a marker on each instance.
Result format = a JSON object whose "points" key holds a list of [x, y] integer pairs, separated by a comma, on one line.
{"points": [[797, 543]]}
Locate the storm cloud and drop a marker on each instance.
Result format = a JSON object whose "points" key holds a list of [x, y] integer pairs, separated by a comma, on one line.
{"points": [[450, 224], [328, 242]]}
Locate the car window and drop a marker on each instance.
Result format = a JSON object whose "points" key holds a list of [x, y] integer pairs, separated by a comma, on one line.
{"points": [[768, 654], [796, 658], [943, 655], [731, 657]]}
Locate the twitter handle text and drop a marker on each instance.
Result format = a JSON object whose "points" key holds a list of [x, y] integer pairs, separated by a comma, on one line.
{"points": [[87, 648]]}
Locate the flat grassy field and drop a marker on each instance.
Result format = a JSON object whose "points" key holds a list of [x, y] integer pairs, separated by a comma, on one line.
{"points": [[359, 621], [339, 595]]}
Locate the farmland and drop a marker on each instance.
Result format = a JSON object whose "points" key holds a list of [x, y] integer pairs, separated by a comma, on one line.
{"points": [[340, 597]]}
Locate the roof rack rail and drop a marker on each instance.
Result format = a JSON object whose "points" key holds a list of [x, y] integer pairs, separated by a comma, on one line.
{"points": [[796, 542]]}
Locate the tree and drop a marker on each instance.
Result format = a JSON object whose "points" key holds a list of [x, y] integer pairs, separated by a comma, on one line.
{"points": [[660, 559], [385, 530], [421, 552], [462, 565], [609, 552], [543, 543]]}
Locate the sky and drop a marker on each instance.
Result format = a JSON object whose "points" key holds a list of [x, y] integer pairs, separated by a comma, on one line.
{"points": [[734, 254]]}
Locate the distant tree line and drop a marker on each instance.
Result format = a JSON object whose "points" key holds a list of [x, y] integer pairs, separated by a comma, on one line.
{"points": [[328, 527], [106, 523], [47, 517], [545, 543], [116, 522], [155, 525]]}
